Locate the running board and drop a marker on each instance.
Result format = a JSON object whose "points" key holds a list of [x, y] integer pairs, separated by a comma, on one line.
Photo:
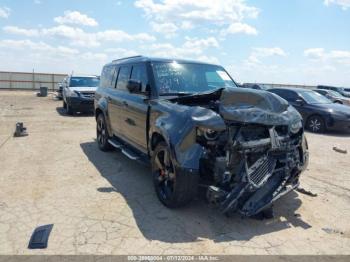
{"points": [[115, 144], [128, 153]]}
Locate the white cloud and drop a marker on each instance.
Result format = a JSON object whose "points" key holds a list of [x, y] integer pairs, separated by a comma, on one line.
{"points": [[192, 48], [341, 57], [4, 12], [37, 46], [75, 18], [345, 4], [220, 13], [37, 2], [168, 29], [120, 52], [262, 52], [118, 36], [20, 31], [26, 55], [236, 28], [79, 37]]}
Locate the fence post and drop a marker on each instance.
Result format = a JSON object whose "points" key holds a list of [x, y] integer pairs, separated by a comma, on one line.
{"points": [[53, 82], [10, 78], [33, 79]]}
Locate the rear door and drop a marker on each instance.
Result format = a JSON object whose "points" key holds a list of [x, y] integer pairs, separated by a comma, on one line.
{"points": [[135, 110], [116, 97]]}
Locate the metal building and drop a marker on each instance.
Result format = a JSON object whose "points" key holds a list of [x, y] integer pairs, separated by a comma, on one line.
{"points": [[30, 81]]}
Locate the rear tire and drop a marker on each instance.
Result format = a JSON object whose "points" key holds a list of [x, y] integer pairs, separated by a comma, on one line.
{"points": [[102, 135], [316, 124], [174, 189]]}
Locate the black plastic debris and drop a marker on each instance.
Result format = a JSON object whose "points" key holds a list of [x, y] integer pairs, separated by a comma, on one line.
{"points": [[342, 151], [20, 130], [40, 237], [306, 192]]}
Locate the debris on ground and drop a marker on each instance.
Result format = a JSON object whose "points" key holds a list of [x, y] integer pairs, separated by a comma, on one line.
{"points": [[20, 130], [342, 151], [332, 231], [306, 192], [40, 237]]}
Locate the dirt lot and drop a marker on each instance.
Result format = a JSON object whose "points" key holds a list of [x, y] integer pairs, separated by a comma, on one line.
{"points": [[104, 203]]}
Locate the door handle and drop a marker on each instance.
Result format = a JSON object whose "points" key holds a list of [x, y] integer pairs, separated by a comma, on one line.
{"points": [[125, 103]]}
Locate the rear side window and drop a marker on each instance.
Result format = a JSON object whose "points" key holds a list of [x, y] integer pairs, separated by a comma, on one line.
{"points": [[139, 73], [107, 76], [288, 95], [123, 77]]}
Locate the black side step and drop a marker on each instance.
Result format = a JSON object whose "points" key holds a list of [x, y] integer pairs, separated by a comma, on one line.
{"points": [[126, 151]]}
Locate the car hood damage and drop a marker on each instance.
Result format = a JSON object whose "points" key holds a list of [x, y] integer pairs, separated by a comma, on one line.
{"points": [[255, 154], [257, 107]]}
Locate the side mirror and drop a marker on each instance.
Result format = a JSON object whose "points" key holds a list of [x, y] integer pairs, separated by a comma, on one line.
{"points": [[299, 102], [134, 86]]}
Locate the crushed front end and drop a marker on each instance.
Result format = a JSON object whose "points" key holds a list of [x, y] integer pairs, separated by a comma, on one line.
{"points": [[258, 158]]}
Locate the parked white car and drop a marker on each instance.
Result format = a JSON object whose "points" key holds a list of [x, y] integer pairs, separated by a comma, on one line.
{"points": [[79, 92]]}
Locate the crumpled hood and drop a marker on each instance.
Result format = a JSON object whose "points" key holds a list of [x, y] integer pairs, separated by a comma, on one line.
{"points": [[256, 106], [83, 88]]}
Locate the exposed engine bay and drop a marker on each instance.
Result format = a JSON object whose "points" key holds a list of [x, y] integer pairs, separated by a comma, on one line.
{"points": [[259, 154]]}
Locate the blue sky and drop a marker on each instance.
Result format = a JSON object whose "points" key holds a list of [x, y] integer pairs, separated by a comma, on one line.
{"points": [[271, 41]]}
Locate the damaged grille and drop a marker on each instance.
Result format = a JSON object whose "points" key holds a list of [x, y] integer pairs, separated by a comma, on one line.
{"points": [[261, 171]]}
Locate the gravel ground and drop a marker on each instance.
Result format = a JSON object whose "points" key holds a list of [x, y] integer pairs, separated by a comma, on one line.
{"points": [[104, 203]]}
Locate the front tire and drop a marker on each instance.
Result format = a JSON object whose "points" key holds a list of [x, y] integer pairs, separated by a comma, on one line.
{"points": [[316, 124], [69, 109], [173, 188], [102, 133]]}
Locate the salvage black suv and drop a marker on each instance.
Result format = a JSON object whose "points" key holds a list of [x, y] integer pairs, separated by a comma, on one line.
{"points": [[197, 129]]}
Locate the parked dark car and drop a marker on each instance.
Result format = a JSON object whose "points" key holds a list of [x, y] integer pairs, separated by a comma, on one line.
{"points": [[189, 120], [319, 113], [254, 86], [340, 90], [334, 96]]}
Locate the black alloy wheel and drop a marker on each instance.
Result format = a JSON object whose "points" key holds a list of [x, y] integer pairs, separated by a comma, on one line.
{"points": [[102, 133], [164, 175], [316, 124]]}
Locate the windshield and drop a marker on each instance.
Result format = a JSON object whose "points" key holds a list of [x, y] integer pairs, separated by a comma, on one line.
{"points": [[312, 97], [334, 93], [185, 78], [84, 81]]}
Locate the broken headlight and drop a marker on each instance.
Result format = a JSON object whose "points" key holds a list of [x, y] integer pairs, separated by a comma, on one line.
{"points": [[295, 127], [208, 134], [71, 93]]}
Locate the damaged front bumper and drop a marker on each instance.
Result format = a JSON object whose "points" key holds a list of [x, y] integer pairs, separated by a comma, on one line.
{"points": [[256, 172]]}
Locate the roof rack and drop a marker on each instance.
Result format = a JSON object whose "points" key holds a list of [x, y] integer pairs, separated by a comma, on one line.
{"points": [[136, 56]]}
